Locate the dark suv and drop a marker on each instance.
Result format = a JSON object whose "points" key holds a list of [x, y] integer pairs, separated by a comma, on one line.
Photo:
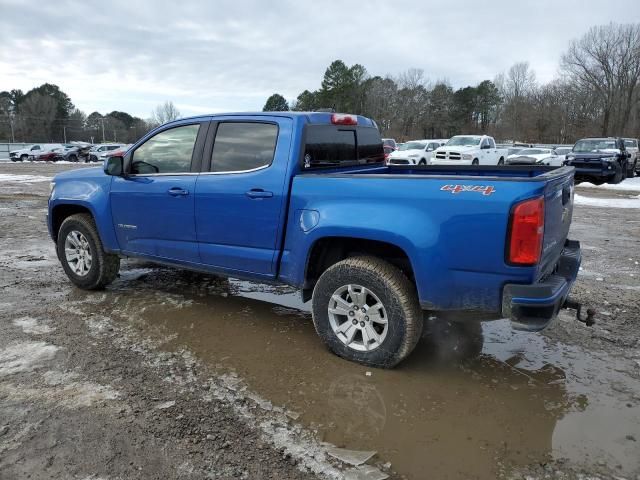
{"points": [[600, 160]]}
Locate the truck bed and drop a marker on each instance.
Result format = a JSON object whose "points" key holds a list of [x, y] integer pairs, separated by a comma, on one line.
{"points": [[451, 222]]}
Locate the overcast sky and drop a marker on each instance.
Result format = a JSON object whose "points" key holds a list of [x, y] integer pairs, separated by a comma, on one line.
{"points": [[213, 56]]}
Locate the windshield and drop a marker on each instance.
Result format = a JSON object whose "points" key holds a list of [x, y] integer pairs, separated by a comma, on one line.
{"points": [[631, 143], [594, 145], [563, 150], [414, 146], [463, 141]]}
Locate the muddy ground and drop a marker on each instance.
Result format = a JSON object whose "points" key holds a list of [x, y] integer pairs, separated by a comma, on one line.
{"points": [[170, 374]]}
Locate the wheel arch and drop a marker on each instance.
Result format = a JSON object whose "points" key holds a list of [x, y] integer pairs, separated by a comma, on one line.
{"points": [[61, 212], [327, 251]]}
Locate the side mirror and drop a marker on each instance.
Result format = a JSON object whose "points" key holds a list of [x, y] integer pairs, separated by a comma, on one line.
{"points": [[114, 166], [485, 147]]}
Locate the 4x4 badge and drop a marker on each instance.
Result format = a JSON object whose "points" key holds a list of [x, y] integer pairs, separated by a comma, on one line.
{"points": [[455, 189]]}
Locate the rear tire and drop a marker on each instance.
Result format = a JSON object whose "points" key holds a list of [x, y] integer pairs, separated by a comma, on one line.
{"points": [[396, 323], [501, 161], [73, 158], [78, 235]]}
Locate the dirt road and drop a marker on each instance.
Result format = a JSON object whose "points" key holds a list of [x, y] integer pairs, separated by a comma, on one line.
{"points": [[170, 374]]}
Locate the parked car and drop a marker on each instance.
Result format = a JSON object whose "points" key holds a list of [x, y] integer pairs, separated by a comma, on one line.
{"points": [[470, 150], [70, 153], [23, 154], [304, 199], [562, 153], [600, 160], [118, 151], [533, 156], [99, 152], [631, 144], [416, 152], [48, 155], [390, 142]]}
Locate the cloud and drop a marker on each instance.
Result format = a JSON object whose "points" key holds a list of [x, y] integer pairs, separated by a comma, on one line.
{"points": [[231, 55]]}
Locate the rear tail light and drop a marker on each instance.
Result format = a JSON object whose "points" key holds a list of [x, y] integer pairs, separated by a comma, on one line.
{"points": [[344, 119], [526, 232]]}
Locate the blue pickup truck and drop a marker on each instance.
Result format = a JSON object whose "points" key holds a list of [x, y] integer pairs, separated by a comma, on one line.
{"points": [[305, 199]]}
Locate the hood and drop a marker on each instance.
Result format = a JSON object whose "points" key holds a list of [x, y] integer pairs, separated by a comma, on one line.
{"points": [[598, 154], [92, 172], [523, 160], [461, 148]]}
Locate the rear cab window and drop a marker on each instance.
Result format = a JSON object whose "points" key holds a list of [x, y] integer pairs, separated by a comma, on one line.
{"points": [[338, 146]]}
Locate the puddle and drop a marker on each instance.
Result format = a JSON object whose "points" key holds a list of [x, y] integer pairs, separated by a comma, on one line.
{"points": [[472, 401]]}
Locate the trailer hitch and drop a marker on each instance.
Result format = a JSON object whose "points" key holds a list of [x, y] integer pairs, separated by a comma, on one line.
{"points": [[587, 319]]}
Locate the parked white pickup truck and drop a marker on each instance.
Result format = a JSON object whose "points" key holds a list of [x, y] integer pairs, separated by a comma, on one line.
{"points": [[469, 150]]}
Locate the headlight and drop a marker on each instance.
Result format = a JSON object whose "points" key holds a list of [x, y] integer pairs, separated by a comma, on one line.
{"points": [[52, 185], [568, 158], [413, 155], [466, 156], [609, 159]]}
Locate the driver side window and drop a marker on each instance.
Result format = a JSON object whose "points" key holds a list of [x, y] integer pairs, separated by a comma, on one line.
{"points": [[169, 151]]}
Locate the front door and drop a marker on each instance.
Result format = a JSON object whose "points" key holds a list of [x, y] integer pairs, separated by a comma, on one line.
{"points": [[240, 199], [153, 206]]}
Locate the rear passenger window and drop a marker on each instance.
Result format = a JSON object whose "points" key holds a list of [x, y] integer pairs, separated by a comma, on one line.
{"points": [[169, 151], [243, 146]]}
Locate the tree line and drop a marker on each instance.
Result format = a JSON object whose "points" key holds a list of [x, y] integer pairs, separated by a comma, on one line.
{"points": [[597, 92], [47, 114]]}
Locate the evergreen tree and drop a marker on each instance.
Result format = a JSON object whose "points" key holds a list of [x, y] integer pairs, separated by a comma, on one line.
{"points": [[276, 103]]}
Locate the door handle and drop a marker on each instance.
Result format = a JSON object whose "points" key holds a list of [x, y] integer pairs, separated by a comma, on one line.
{"points": [[258, 193], [177, 192]]}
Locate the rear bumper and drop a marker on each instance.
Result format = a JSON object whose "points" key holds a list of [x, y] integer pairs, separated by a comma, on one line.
{"points": [[532, 307]]}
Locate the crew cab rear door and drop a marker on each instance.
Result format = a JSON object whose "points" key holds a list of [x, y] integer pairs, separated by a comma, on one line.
{"points": [[241, 194]]}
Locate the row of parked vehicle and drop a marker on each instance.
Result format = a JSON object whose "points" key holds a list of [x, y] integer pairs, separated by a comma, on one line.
{"points": [[71, 152], [597, 160]]}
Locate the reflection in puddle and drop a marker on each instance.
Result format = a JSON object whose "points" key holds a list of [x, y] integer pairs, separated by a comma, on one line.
{"points": [[470, 402]]}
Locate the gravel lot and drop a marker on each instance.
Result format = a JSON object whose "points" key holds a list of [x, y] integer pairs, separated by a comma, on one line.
{"points": [[170, 374]]}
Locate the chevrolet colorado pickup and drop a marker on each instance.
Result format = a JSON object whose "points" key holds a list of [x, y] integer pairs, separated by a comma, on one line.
{"points": [[305, 199]]}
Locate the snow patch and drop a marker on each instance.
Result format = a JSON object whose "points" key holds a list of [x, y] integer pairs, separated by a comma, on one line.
{"points": [[31, 325], [628, 185], [633, 202], [15, 178], [25, 357]]}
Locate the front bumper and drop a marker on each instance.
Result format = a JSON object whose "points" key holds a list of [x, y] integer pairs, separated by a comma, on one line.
{"points": [[533, 307], [593, 168]]}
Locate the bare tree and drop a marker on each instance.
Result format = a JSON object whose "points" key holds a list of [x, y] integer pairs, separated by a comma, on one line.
{"points": [[516, 88], [37, 115], [164, 113], [606, 60]]}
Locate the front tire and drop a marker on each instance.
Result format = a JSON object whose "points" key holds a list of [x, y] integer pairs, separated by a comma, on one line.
{"points": [[422, 162], [82, 255], [475, 162], [24, 158], [619, 174], [501, 161], [367, 311]]}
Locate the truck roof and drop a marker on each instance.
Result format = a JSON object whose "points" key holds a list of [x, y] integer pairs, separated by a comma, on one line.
{"points": [[319, 118]]}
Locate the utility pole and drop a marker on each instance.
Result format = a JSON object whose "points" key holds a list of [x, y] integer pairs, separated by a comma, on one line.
{"points": [[64, 133], [115, 138], [13, 137], [103, 140]]}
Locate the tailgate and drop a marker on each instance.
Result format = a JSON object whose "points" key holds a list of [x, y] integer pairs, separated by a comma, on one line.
{"points": [[558, 199]]}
